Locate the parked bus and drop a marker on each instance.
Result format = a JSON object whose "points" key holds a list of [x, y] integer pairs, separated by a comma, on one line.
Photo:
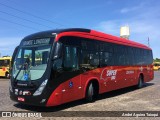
{"points": [[58, 66], [156, 66], [5, 63]]}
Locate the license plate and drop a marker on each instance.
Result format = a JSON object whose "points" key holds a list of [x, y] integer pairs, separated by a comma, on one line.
{"points": [[21, 99]]}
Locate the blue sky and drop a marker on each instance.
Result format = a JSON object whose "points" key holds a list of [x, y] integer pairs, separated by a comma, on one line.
{"points": [[19, 18]]}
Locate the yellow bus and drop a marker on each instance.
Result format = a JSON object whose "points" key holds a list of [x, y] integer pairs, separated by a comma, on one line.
{"points": [[156, 66], [5, 63]]}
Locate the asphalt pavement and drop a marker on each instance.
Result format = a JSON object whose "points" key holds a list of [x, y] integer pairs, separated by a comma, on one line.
{"points": [[128, 99]]}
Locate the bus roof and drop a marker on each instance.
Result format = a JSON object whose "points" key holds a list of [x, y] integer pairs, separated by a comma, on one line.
{"points": [[118, 40], [81, 32], [50, 33], [6, 58]]}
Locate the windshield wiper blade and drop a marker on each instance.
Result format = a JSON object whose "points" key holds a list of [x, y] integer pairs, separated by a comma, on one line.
{"points": [[18, 72], [25, 65]]}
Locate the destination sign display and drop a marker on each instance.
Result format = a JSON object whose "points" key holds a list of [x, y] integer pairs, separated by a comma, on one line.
{"points": [[42, 41]]}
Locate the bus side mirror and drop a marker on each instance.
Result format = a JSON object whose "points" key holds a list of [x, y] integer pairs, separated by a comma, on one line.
{"points": [[57, 51]]}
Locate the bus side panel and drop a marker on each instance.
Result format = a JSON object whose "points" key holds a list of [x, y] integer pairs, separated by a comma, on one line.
{"points": [[138, 72], [121, 78], [105, 76], [109, 78], [115, 77], [146, 71], [72, 89], [2, 71], [150, 73], [56, 97], [99, 75], [126, 76]]}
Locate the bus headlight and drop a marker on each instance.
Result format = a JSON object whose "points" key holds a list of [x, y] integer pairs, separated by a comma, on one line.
{"points": [[41, 88]]}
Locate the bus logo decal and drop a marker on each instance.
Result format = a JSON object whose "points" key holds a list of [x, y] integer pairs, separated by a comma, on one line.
{"points": [[130, 72], [109, 73], [112, 74]]}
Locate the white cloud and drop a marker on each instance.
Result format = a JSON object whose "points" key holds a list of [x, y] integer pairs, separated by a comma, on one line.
{"points": [[133, 8], [126, 10], [145, 24]]}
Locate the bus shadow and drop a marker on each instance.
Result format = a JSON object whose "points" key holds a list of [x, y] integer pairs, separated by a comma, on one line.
{"points": [[4, 78], [122, 91], [50, 109], [79, 102]]}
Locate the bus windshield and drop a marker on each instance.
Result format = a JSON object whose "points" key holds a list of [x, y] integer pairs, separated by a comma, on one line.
{"points": [[4, 63], [31, 62]]}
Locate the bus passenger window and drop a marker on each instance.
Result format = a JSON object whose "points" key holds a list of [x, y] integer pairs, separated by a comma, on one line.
{"points": [[105, 59], [94, 59], [70, 58], [90, 59]]}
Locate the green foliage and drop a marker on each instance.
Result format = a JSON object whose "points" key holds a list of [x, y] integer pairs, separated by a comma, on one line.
{"points": [[157, 60]]}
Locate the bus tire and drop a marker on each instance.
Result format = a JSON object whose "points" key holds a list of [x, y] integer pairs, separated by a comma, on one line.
{"points": [[90, 93], [158, 69], [7, 75], [140, 82]]}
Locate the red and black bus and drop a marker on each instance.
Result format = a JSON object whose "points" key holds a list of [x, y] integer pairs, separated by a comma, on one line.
{"points": [[54, 67]]}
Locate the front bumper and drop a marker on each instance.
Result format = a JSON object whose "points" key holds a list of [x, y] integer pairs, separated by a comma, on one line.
{"points": [[29, 100]]}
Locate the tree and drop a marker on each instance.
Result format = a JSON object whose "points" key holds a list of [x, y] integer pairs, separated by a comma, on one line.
{"points": [[157, 60]]}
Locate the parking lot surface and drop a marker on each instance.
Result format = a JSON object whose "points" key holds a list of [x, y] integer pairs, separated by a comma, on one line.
{"points": [[128, 99]]}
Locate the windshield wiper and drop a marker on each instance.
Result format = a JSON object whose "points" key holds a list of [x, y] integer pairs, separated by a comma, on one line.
{"points": [[26, 67], [18, 72]]}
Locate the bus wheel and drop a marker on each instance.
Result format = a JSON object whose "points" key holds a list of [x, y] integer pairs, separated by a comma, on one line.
{"points": [[140, 82], [7, 75], [159, 69], [90, 93]]}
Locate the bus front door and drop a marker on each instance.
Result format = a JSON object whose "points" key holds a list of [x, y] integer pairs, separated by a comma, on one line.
{"points": [[71, 88]]}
